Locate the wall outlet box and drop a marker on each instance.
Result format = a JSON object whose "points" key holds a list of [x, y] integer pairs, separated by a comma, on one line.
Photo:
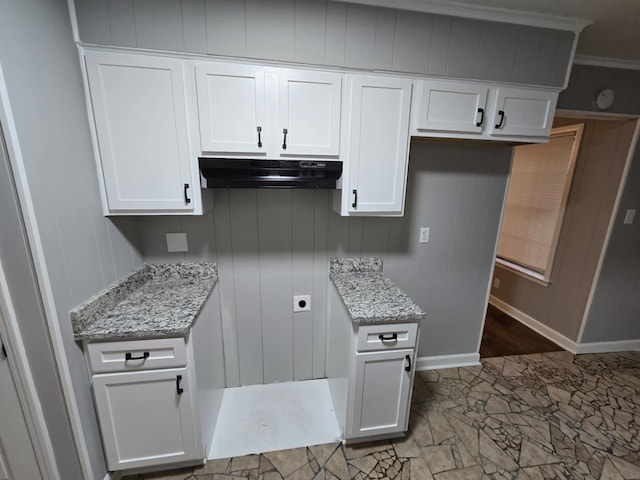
{"points": [[425, 232], [629, 216], [177, 242], [302, 303]]}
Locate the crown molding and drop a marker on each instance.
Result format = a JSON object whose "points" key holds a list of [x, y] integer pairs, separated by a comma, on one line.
{"points": [[607, 62], [481, 12]]}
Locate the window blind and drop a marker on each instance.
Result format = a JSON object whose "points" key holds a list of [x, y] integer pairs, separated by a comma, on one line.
{"points": [[538, 189]]}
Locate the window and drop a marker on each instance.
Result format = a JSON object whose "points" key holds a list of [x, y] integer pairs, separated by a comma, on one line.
{"points": [[538, 190]]}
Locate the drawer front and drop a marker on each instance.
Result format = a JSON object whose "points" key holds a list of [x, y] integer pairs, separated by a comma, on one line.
{"points": [[130, 355], [387, 336]]}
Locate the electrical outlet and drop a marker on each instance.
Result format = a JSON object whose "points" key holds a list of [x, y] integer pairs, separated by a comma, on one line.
{"points": [[177, 242], [629, 216], [302, 303], [425, 232], [496, 283]]}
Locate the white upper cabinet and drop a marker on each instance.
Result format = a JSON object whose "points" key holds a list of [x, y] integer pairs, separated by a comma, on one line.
{"points": [[523, 112], [451, 107], [309, 112], [140, 112], [231, 108], [375, 173], [253, 111]]}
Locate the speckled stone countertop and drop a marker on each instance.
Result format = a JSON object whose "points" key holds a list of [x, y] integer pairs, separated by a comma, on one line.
{"points": [[369, 296], [157, 300]]}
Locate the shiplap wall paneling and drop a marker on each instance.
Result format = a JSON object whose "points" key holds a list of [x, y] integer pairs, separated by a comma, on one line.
{"points": [[245, 252], [335, 34], [321, 212], [271, 245], [276, 307], [224, 259], [158, 24], [303, 235], [457, 191]]}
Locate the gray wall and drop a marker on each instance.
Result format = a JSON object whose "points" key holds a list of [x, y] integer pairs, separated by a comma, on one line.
{"points": [[615, 310], [334, 34], [586, 81], [270, 245], [84, 251], [598, 172], [15, 260]]}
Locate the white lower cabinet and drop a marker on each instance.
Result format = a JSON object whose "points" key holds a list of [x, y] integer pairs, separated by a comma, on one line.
{"points": [[370, 370], [381, 393], [147, 418], [148, 402]]}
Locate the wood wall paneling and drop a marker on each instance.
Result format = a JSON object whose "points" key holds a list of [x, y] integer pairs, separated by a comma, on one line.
{"points": [[322, 32], [158, 24], [271, 245]]}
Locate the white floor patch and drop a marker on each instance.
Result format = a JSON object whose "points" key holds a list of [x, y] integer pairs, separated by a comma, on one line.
{"points": [[264, 418]]}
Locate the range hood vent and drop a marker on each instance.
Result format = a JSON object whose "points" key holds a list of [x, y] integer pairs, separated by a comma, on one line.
{"points": [[244, 173]]}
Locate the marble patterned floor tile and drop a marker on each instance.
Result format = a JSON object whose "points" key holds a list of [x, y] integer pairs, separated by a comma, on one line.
{"points": [[529, 417]]}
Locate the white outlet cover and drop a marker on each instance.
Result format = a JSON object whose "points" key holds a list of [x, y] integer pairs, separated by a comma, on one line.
{"points": [[302, 303], [629, 216], [177, 242], [425, 233]]}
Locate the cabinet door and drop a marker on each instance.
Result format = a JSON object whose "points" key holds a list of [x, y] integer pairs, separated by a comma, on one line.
{"points": [[379, 144], [451, 107], [140, 114], [523, 112], [310, 113], [231, 108], [145, 420], [382, 392]]}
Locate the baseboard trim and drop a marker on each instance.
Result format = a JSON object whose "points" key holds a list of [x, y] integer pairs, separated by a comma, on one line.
{"points": [[604, 347], [447, 361], [535, 325]]}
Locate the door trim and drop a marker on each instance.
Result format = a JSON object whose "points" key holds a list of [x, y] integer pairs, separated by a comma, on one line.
{"points": [[25, 385], [42, 442]]}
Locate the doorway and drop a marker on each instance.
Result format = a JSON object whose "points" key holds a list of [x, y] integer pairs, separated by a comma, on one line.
{"points": [[17, 454], [555, 303]]}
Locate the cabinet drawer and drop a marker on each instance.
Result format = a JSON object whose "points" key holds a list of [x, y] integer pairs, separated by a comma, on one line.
{"points": [[137, 355], [386, 336]]}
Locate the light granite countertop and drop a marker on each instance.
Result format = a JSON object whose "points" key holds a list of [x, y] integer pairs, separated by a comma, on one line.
{"points": [[369, 296], [157, 300]]}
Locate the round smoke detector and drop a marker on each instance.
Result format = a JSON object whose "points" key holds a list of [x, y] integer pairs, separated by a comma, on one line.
{"points": [[604, 99]]}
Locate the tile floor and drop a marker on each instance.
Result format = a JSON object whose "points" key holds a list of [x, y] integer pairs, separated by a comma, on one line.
{"points": [[527, 417]]}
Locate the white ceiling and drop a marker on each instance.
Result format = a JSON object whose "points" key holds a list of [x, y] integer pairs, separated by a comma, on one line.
{"points": [[614, 33]]}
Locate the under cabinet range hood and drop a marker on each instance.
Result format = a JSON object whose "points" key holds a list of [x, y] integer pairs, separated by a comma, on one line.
{"points": [[246, 173]]}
